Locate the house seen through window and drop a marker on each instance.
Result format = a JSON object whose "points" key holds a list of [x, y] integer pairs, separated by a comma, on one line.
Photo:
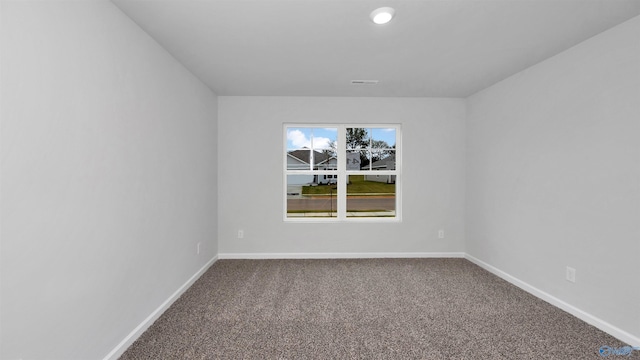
{"points": [[342, 172]]}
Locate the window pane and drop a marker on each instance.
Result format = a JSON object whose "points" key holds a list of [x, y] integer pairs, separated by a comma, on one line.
{"points": [[299, 138], [299, 159], [311, 148], [371, 196], [357, 138], [372, 145], [383, 138], [305, 198], [324, 146], [325, 160], [384, 160]]}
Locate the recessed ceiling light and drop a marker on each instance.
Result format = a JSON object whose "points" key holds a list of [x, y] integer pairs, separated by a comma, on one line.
{"points": [[382, 15]]}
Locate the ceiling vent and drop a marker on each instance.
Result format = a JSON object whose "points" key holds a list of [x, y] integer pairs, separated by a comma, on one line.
{"points": [[364, 82]]}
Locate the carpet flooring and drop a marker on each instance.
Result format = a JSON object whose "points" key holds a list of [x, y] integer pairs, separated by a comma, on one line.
{"points": [[364, 309]]}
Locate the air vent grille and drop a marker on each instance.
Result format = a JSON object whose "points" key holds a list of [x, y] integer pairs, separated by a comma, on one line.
{"points": [[364, 82]]}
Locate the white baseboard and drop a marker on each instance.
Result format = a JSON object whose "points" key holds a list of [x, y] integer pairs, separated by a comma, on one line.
{"points": [[339, 255], [131, 338], [580, 314]]}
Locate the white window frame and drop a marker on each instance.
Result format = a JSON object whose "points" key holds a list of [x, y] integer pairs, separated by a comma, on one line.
{"points": [[342, 174]]}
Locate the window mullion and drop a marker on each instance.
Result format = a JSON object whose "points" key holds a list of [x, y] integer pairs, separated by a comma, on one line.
{"points": [[342, 173]]}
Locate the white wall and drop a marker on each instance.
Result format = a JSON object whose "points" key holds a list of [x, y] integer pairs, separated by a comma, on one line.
{"points": [[250, 180], [108, 178], [553, 176]]}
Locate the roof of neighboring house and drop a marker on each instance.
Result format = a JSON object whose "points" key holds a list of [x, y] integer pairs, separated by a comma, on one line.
{"points": [[303, 155], [384, 162]]}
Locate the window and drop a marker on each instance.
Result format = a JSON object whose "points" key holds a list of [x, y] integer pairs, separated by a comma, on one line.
{"points": [[341, 172]]}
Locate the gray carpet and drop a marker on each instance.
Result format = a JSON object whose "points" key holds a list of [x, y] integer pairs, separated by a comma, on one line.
{"points": [[364, 309]]}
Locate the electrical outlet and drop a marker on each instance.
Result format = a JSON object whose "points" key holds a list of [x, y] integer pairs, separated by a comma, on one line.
{"points": [[240, 234], [198, 248], [441, 234], [571, 274]]}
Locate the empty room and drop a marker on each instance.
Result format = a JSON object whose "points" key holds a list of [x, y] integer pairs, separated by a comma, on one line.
{"points": [[319, 179]]}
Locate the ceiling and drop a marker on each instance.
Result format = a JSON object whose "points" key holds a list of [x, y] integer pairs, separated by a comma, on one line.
{"points": [[432, 48]]}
